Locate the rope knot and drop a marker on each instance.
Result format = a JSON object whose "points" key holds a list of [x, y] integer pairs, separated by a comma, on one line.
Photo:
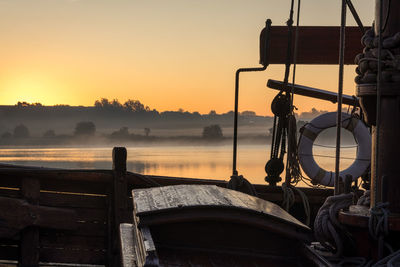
{"points": [[241, 184], [326, 224], [378, 223]]}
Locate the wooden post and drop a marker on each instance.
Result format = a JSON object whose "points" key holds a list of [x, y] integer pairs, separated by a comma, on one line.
{"points": [[118, 203], [385, 182], [29, 243]]}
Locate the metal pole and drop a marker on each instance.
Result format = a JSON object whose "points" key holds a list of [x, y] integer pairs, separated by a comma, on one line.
{"points": [[340, 94], [235, 122], [378, 106]]}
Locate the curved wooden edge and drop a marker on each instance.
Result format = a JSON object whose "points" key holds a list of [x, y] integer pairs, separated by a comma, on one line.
{"points": [[227, 215]]}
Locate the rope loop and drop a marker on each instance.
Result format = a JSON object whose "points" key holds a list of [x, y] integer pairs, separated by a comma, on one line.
{"points": [[365, 199], [241, 184], [378, 224], [326, 224], [289, 199]]}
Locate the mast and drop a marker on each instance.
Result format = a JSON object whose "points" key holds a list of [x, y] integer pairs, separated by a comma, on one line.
{"points": [[380, 99]]}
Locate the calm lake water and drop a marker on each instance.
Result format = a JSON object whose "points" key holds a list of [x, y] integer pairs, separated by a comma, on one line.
{"points": [[213, 162]]}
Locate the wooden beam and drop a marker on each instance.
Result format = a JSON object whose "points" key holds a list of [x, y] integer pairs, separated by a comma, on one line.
{"points": [[316, 44], [119, 204], [312, 92], [29, 244], [19, 214]]}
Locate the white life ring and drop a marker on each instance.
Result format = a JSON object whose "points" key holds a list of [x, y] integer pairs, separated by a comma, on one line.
{"points": [[310, 132]]}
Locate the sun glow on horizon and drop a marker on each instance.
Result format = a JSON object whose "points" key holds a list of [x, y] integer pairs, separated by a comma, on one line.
{"points": [[167, 55]]}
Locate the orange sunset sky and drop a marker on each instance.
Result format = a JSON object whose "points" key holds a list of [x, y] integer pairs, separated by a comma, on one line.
{"points": [[169, 54]]}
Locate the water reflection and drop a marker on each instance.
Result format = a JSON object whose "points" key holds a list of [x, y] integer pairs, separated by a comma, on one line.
{"points": [[213, 162]]}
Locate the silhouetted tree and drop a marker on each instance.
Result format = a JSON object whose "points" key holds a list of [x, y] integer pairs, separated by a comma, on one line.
{"points": [[26, 104], [85, 128], [212, 132], [212, 113], [122, 133], [21, 131], [135, 106], [147, 131], [108, 105], [49, 134], [248, 113]]}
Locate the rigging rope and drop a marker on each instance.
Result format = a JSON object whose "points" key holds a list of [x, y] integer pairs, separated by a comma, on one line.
{"points": [[340, 94], [355, 15], [326, 224], [241, 184], [282, 107]]}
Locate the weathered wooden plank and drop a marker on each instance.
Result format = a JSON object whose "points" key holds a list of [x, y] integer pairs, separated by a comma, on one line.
{"points": [[29, 243], [85, 187], [265, 192], [72, 256], [10, 192], [316, 44], [49, 184], [69, 241], [196, 203], [17, 214], [186, 196], [8, 251], [83, 229], [96, 176], [128, 253], [58, 199], [84, 181]]}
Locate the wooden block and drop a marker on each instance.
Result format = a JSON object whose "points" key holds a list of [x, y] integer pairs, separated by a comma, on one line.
{"points": [[128, 258], [316, 44]]}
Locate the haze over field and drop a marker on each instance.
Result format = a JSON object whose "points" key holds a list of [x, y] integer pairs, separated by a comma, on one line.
{"points": [[110, 122]]}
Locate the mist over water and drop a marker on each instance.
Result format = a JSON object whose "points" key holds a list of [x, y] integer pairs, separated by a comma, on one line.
{"points": [[207, 162]]}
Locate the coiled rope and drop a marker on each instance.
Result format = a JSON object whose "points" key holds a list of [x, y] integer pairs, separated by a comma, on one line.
{"points": [[289, 199], [326, 224], [378, 226], [389, 261], [365, 199]]}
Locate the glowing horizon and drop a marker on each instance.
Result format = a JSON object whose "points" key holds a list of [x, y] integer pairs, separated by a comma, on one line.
{"points": [[168, 55]]}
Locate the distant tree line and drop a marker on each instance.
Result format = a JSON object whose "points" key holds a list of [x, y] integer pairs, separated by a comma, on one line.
{"points": [[130, 105], [112, 114]]}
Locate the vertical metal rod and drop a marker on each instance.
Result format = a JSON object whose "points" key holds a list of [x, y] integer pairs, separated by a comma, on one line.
{"points": [[265, 65], [235, 122], [340, 94], [378, 103]]}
